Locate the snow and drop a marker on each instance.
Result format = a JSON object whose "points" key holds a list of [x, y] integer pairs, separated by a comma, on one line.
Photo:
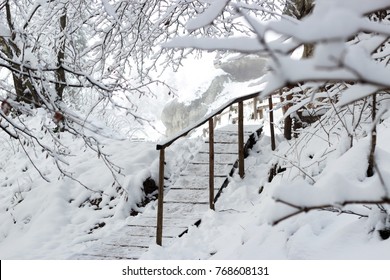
{"points": [[110, 10], [356, 92], [244, 217], [214, 85], [42, 220], [45, 221], [242, 44], [360, 6], [333, 58], [59, 218], [4, 31], [53, 220], [207, 17], [315, 28], [372, 72]]}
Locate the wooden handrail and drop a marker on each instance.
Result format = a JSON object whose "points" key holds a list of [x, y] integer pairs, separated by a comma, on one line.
{"points": [[208, 118], [205, 119]]}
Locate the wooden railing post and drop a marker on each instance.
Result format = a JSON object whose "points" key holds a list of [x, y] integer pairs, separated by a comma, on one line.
{"points": [[255, 115], [160, 206], [271, 122], [241, 169], [211, 164]]}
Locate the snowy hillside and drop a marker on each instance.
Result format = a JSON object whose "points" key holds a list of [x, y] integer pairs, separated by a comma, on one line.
{"points": [[76, 166], [50, 218], [57, 219], [242, 225], [55, 207]]}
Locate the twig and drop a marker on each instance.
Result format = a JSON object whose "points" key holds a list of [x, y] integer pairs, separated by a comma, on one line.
{"points": [[305, 209], [335, 210], [32, 162], [299, 168]]}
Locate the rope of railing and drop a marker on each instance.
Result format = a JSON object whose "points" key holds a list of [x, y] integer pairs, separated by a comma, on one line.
{"points": [[208, 118]]}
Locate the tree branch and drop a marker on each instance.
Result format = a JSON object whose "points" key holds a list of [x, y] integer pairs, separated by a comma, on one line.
{"points": [[305, 209]]}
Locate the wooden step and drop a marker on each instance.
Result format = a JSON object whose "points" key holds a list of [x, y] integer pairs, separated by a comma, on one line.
{"points": [[150, 231], [183, 195], [222, 148], [141, 241], [218, 158], [200, 183], [113, 252], [168, 221], [228, 136], [225, 138], [102, 256], [130, 240], [233, 128], [220, 170], [177, 209]]}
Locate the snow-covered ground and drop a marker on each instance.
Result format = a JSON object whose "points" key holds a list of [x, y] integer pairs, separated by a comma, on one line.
{"points": [[242, 225], [52, 220], [59, 218]]}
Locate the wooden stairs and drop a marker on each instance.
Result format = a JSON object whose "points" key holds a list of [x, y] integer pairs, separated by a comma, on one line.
{"points": [[185, 202]]}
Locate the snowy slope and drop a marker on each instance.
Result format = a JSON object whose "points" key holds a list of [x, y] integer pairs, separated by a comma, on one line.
{"points": [[41, 219], [242, 226], [58, 219]]}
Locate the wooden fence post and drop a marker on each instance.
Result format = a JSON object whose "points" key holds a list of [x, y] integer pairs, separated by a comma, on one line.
{"points": [[271, 122], [241, 168], [255, 115], [211, 163], [160, 206]]}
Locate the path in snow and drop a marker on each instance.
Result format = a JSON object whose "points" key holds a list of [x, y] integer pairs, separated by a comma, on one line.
{"points": [[184, 203]]}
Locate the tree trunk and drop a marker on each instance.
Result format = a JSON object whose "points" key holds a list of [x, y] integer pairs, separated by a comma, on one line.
{"points": [[24, 89], [287, 128], [297, 9], [371, 157], [381, 15], [60, 86]]}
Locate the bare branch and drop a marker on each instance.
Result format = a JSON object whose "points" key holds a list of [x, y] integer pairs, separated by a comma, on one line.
{"points": [[305, 209]]}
